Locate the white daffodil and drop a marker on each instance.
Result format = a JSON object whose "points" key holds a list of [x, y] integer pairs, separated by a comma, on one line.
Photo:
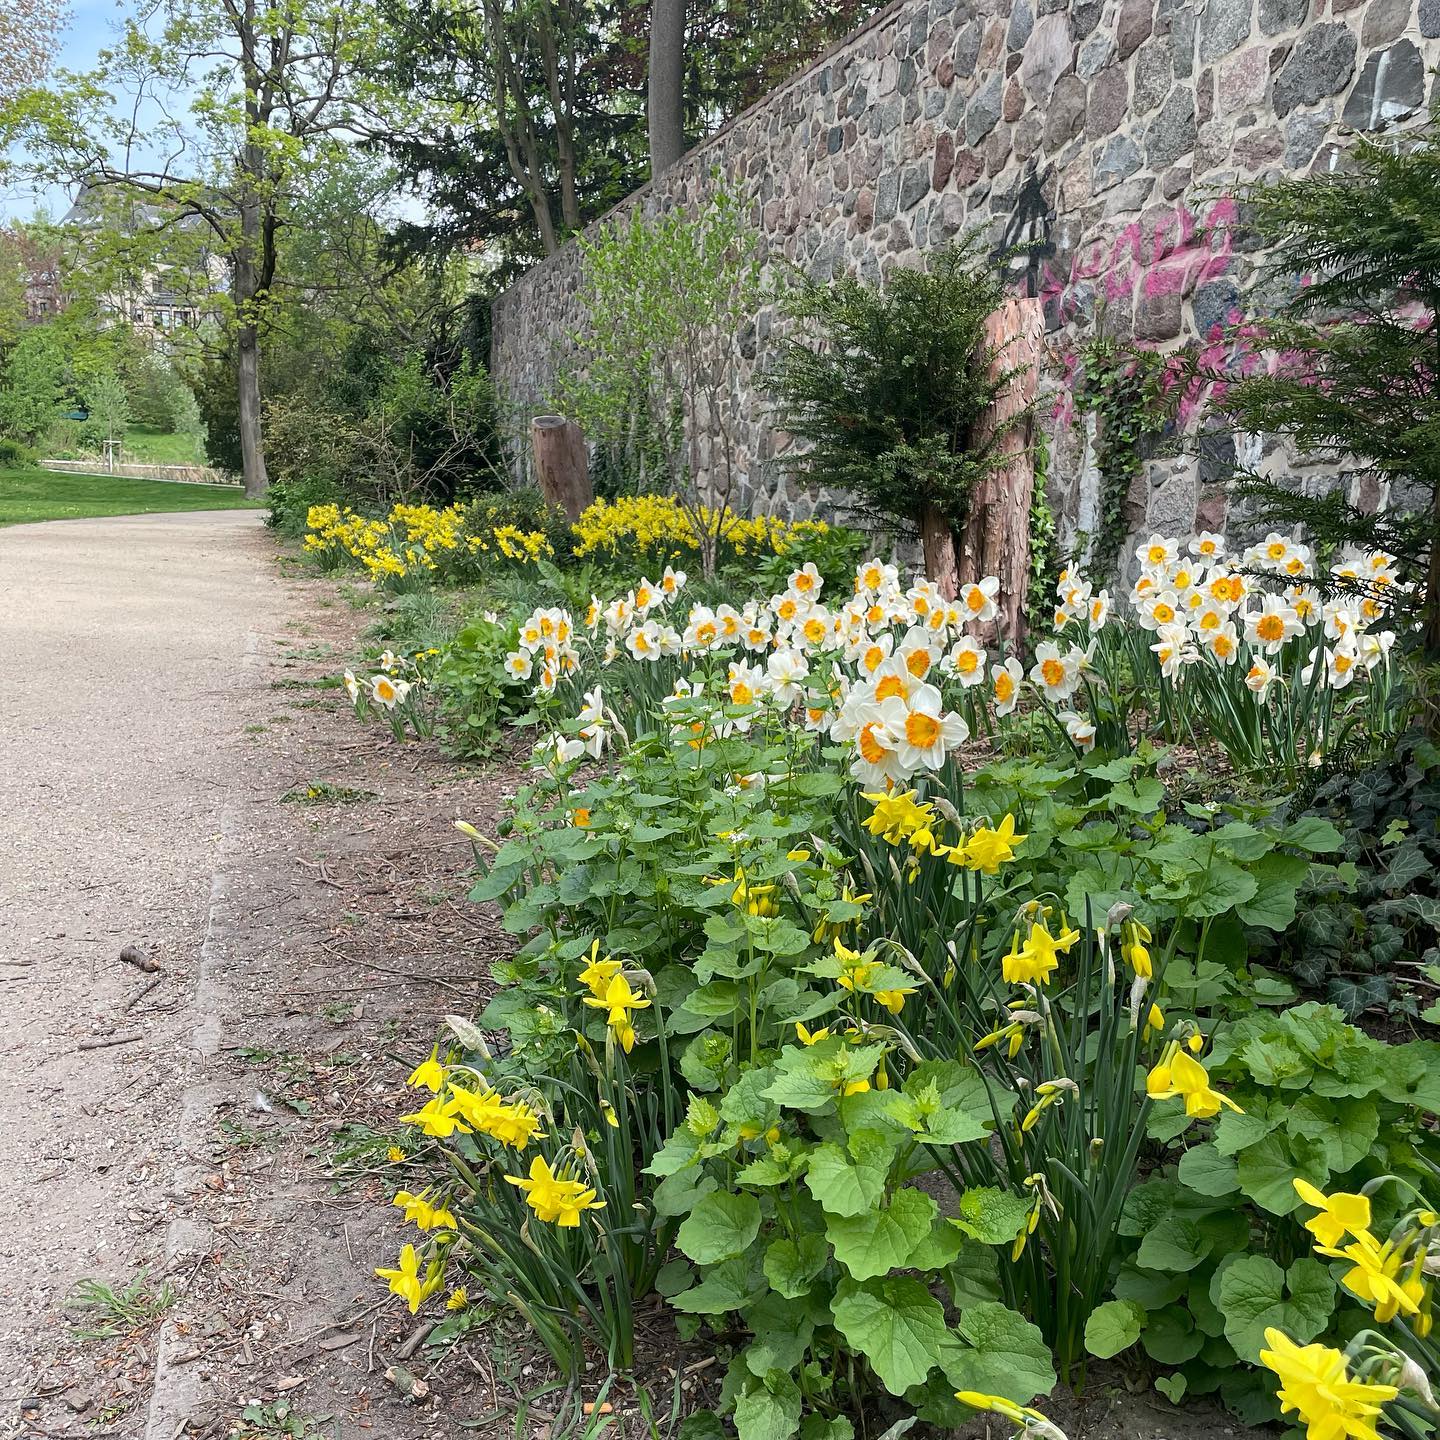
{"points": [[1005, 685], [966, 661], [978, 600]]}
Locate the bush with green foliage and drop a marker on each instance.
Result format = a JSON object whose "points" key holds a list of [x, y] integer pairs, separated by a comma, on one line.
{"points": [[1351, 367], [887, 386]]}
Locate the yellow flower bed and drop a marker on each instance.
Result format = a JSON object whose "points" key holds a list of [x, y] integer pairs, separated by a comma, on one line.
{"points": [[414, 540], [660, 523]]}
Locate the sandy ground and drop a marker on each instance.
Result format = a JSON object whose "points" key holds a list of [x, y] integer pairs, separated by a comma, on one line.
{"points": [[124, 644]]}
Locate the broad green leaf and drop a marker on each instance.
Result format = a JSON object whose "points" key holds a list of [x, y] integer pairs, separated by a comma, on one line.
{"points": [[974, 1275], [1149, 1288], [1002, 1354], [770, 1410], [991, 1216], [1113, 1327], [1172, 1387], [847, 1186], [720, 1227], [1312, 833], [782, 1335], [1266, 1170], [1174, 1244], [1170, 1336], [877, 1242], [1344, 1129], [896, 1323], [732, 1285], [791, 1265], [1277, 878], [1206, 1171], [939, 1249], [1253, 1293]]}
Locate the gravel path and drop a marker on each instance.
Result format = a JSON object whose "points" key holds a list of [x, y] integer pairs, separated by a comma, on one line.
{"points": [[123, 652]]}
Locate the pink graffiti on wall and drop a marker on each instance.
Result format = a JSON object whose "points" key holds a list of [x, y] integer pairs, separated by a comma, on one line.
{"points": [[1173, 255]]}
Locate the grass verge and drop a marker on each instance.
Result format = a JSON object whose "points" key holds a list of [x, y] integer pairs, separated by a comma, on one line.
{"points": [[31, 494]]}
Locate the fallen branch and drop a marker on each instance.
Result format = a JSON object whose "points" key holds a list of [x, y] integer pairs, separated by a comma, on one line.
{"points": [[141, 993], [101, 1042]]}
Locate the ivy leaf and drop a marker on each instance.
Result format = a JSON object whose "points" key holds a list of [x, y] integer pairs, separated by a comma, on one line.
{"points": [[1206, 1171], [846, 1186], [880, 1241], [991, 1216], [1113, 1327], [1004, 1355], [720, 1227], [896, 1323], [1254, 1293], [791, 1265]]}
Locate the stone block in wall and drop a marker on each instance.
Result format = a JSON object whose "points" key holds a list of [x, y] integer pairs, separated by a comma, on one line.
{"points": [[1385, 20], [1154, 74], [1106, 103], [1171, 133], [1321, 64], [1224, 26], [1278, 16], [1391, 88]]}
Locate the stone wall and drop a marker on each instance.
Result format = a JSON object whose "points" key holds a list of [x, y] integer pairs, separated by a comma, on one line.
{"points": [[1105, 136]]}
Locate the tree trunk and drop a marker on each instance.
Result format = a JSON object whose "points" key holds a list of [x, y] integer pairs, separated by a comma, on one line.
{"points": [[938, 545], [667, 65], [997, 528], [561, 463], [252, 444]]}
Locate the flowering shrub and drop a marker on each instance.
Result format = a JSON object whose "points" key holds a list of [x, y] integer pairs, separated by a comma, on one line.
{"points": [[940, 1071]]}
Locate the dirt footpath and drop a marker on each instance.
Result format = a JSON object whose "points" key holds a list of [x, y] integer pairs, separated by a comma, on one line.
{"points": [[201, 1126]]}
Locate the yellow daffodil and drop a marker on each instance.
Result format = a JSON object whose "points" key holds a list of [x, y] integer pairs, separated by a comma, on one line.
{"points": [[429, 1074], [598, 973], [1376, 1276], [893, 1000], [988, 849], [1036, 960], [1178, 1076], [1020, 1415], [420, 1212], [1134, 951], [438, 1118], [619, 1002], [1315, 1384], [555, 1199], [1154, 1021], [511, 1123], [405, 1279], [811, 1037], [897, 817]]}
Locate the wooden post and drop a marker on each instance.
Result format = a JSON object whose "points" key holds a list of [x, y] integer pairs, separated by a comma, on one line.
{"points": [[561, 464], [997, 529]]}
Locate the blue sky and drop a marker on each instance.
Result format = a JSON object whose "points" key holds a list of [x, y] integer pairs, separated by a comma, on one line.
{"points": [[93, 25]]}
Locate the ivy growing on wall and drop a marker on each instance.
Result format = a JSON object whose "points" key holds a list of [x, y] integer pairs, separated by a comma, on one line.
{"points": [[1124, 388]]}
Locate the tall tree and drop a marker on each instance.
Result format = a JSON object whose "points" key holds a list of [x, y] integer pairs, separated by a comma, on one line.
{"points": [[236, 106], [667, 94], [28, 32]]}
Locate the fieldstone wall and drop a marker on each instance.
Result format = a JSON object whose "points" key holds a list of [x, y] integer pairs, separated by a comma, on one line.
{"points": [[1107, 137]]}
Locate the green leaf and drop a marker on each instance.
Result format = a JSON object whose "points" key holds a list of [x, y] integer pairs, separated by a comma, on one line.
{"points": [[991, 1216], [1004, 1354], [1273, 904], [1254, 1293], [1312, 833], [1170, 1336], [732, 1285], [896, 1323], [1345, 1129], [846, 1186], [720, 1227], [1172, 1387], [791, 1265], [1113, 1327], [875, 1243], [974, 1275], [770, 1411], [1265, 1171], [1174, 1244], [1206, 1171]]}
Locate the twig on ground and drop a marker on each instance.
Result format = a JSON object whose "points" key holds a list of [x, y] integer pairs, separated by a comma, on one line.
{"points": [[102, 1042]]}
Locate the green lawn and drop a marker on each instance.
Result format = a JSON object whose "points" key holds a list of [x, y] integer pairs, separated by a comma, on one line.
{"points": [[29, 494], [149, 445]]}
